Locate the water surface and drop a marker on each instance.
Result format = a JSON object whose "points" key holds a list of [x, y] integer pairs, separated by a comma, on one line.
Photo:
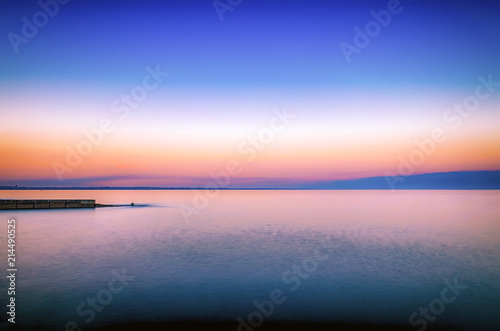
{"points": [[383, 255]]}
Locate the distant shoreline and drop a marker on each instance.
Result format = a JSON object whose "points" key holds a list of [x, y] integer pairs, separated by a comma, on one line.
{"points": [[458, 180], [241, 189]]}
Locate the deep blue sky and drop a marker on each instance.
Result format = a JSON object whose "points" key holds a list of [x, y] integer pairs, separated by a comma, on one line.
{"points": [[260, 43]]}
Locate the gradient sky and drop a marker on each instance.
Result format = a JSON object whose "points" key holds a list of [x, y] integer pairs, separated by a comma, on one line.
{"points": [[227, 78]]}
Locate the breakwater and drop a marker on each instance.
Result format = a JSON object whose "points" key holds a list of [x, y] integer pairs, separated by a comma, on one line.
{"points": [[12, 204]]}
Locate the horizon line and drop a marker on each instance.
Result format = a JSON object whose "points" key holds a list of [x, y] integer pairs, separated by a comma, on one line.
{"points": [[455, 180]]}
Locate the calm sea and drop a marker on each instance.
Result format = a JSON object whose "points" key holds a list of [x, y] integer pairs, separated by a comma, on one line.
{"points": [[432, 257]]}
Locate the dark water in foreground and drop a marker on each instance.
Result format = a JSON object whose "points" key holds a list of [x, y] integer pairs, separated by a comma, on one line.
{"points": [[352, 256]]}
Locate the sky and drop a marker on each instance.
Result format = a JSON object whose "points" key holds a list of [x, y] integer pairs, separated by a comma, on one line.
{"points": [[251, 93]]}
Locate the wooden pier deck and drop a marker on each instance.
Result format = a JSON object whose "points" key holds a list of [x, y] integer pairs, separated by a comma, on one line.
{"points": [[13, 204]]}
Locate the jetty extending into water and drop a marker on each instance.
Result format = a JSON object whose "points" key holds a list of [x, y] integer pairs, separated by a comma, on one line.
{"points": [[13, 204]]}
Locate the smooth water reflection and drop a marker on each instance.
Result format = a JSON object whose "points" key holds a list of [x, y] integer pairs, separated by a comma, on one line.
{"points": [[391, 253]]}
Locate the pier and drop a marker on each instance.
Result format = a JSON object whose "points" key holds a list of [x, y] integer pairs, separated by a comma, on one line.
{"points": [[13, 204]]}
